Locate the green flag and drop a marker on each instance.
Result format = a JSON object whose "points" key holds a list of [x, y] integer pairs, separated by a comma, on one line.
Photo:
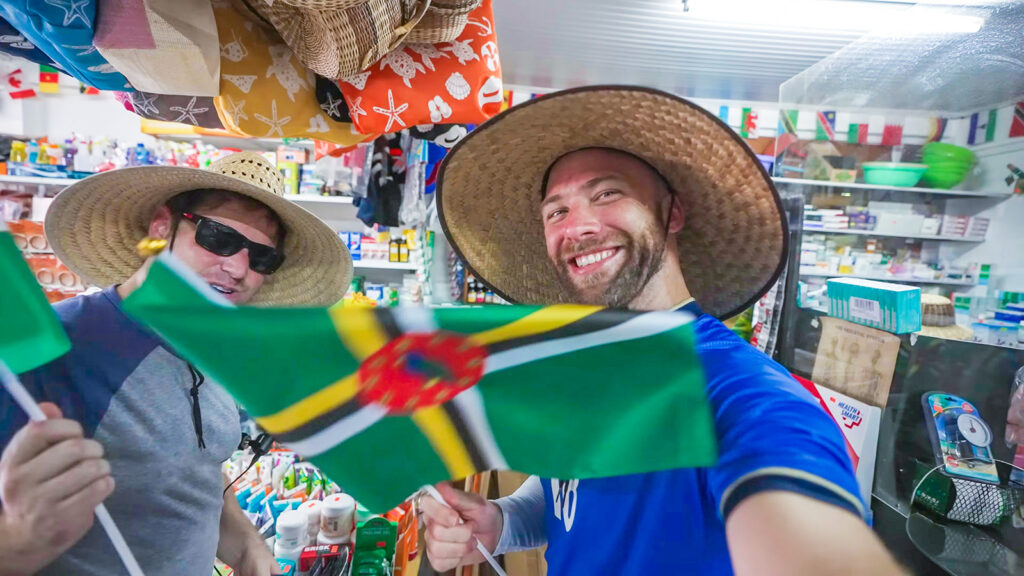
{"points": [[30, 333], [386, 400]]}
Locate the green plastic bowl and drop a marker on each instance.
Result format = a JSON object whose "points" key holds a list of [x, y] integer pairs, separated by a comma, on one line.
{"points": [[943, 180], [941, 150], [949, 165], [893, 173]]}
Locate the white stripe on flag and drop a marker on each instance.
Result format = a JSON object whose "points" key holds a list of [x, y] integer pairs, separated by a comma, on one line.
{"points": [[640, 327], [414, 320], [470, 404], [340, 431]]}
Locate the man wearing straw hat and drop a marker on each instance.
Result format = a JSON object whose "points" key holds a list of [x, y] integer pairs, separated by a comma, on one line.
{"points": [[124, 407], [633, 198]]}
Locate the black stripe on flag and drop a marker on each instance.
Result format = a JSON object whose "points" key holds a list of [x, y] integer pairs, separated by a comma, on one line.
{"points": [[320, 422], [387, 323], [592, 323], [467, 437]]}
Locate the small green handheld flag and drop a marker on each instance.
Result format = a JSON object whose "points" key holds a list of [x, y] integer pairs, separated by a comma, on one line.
{"points": [[387, 400]]}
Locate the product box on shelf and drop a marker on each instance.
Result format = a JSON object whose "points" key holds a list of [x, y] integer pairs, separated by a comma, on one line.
{"points": [[899, 224], [29, 236], [891, 307]]}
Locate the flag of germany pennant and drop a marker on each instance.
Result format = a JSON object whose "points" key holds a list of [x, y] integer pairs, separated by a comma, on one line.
{"points": [[387, 400]]}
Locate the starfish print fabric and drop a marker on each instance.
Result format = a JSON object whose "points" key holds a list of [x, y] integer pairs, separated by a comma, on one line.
{"points": [[265, 91], [64, 31], [457, 82], [162, 46], [192, 110]]}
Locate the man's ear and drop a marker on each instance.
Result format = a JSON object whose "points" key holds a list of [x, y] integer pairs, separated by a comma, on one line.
{"points": [[160, 225], [677, 216]]}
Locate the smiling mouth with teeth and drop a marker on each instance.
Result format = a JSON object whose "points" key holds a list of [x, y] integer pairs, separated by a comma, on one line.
{"points": [[222, 290], [586, 260]]}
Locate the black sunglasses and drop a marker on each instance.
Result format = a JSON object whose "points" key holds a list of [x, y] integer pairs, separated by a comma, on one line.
{"points": [[224, 240]]}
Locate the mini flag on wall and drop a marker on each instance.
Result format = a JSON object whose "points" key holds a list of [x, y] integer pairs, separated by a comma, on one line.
{"points": [[892, 134], [787, 130], [982, 130], [936, 129], [748, 124], [826, 126], [433, 394], [87, 90], [857, 134], [506, 100], [723, 114], [13, 84], [1017, 125], [49, 80]]}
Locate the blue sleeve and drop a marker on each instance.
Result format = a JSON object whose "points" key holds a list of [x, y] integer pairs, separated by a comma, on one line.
{"points": [[522, 518], [772, 434], [48, 383]]}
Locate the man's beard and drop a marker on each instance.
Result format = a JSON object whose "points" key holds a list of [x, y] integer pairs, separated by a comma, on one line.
{"points": [[645, 259]]}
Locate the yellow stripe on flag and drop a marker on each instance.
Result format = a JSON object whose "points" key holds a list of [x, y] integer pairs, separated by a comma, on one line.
{"points": [[312, 406], [544, 320], [442, 435], [359, 330]]}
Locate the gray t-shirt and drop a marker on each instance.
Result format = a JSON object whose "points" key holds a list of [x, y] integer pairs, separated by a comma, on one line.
{"points": [[132, 395]]}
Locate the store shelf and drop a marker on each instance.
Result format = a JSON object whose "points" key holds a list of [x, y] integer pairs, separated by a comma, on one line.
{"points": [[855, 186], [884, 278], [936, 238], [312, 199], [369, 265], [36, 180]]}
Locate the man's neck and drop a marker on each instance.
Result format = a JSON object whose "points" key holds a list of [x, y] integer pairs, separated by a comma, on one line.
{"points": [[664, 291]]}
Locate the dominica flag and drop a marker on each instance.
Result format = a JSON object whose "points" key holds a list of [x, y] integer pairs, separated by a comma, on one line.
{"points": [[387, 400], [826, 126], [30, 333]]}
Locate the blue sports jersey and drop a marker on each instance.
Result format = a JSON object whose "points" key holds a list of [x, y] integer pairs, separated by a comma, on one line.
{"points": [[772, 435]]}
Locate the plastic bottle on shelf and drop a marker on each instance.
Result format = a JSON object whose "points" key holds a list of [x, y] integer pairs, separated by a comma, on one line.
{"points": [[18, 152], [42, 156], [70, 150], [291, 535], [33, 152], [337, 517], [83, 158], [312, 510], [56, 155], [141, 155]]}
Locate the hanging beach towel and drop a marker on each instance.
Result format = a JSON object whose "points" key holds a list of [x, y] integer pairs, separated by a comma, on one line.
{"points": [[63, 30], [265, 90], [162, 46], [12, 42], [192, 110], [452, 83]]}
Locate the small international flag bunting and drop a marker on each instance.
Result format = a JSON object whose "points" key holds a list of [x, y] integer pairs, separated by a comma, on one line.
{"points": [[787, 130], [982, 131], [49, 80], [826, 126], [506, 100], [1017, 125], [892, 134], [723, 114], [87, 90], [936, 129], [748, 124], [857, 133]]}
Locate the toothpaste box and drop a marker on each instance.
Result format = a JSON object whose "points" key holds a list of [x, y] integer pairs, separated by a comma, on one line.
{"points": [[886, 306]]}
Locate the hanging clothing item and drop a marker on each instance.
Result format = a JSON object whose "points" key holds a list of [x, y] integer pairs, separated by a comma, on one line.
{"points": [[14, 43], [458, 82], [383, 199], [64, 30], [192, 110], [162, 46], [265, 91]]}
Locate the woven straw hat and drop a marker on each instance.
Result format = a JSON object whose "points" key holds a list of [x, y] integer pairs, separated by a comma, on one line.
{"points": [[732, 249], [938, 319], [340, 38], [94, 226], [443, 21]]}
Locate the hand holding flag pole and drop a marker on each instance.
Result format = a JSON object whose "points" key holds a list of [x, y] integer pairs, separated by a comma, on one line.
{"points": [[479, 545], [35, 413]]}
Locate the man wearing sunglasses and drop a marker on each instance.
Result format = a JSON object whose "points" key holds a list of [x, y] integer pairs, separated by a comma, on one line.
{"points": [[132, 424]]}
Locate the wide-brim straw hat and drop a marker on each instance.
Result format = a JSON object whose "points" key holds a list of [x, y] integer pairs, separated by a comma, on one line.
{"points": [[735, 240], [938, 319], [94, 226]]}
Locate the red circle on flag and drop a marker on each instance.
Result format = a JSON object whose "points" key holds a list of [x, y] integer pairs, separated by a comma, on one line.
{"points": [[417, 371]]}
